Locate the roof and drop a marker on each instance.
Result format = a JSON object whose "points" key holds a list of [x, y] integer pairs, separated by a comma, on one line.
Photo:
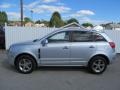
{"points": [[73, 25]]}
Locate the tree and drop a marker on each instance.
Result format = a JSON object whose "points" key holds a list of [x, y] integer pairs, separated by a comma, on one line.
{"points": [[45, 22], [3, 18], [26, 19], [72, 20], [38, 22], [56, 20], [87, 25]]}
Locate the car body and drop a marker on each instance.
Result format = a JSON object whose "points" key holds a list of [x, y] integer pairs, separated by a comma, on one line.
{"points": [[64, 47]]}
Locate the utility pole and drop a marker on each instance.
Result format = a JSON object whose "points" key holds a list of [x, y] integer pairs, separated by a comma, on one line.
{"points": [[21, 11]]}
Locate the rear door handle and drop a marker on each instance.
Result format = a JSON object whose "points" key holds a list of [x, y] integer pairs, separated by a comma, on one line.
{"points": [[91, 46], [65, 47]]}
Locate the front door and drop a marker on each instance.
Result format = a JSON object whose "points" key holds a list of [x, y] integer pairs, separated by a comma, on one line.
{"points": [[57, 50]]}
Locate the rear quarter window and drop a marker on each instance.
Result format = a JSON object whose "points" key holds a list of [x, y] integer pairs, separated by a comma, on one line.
{"points": [[98, 37]]}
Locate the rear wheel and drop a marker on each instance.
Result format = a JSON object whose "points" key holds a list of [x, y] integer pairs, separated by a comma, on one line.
{"points": [[97, 65], [25, 64]]}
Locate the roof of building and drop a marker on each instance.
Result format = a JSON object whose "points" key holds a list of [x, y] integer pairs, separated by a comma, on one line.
{"points": [[73, 25], [114, 25]]}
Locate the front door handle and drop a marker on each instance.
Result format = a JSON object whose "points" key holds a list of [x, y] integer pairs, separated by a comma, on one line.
{"points": [[65, 47]]}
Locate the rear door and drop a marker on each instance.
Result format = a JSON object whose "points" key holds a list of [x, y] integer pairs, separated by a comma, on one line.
{"points": [[82, 47]]}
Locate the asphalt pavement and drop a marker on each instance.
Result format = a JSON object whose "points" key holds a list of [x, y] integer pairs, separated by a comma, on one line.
{"points": [[60, 78]]}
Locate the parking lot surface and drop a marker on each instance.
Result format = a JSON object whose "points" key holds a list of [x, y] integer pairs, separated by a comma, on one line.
{"points": [[60, 78]]}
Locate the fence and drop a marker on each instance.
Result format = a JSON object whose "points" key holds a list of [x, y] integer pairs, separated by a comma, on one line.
{"points": [[115, 36], [21, 34]]}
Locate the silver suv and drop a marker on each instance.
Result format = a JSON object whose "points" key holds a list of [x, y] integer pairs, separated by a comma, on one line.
{"points": [[67, 47]]}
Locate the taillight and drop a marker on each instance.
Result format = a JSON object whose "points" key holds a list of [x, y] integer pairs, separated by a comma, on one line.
{"points": [[112, 44]]}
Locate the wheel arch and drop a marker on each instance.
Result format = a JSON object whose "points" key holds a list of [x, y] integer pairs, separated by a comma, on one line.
{"points": [[28, 55], [102, 55]]}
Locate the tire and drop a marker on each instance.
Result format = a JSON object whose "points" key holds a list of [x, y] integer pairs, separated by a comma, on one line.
{"points": [[97, 65], [25, 64]]}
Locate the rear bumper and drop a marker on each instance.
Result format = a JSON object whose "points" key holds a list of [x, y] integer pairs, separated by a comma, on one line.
{"points": [[112, 58]]}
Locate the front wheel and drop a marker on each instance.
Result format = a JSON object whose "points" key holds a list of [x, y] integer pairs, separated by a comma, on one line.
{"points": [[97, 65], [25, 64]]}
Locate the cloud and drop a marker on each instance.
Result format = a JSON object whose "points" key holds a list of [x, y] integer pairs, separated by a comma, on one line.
{"points": [[83, 13], [50, 8], [5, 5], [14, 15], [60, 4], [93, 21], [39, 7], [86, 12], [49, 1], [32, 5], [83, 17], [38, 2], [86, 19]]}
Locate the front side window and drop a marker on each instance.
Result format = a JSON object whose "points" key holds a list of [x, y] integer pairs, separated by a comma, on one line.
{"points": [[59, 37], [82, 36]]}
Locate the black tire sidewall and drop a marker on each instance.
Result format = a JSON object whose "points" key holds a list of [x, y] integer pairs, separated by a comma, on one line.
{"points": [[26, 57]]}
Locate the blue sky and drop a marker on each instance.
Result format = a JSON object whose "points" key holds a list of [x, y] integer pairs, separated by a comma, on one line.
{"points": [[94, 11]]}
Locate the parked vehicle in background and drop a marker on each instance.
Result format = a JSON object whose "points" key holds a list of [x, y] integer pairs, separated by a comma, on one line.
{"points": [[67, 47], [2, 37]]}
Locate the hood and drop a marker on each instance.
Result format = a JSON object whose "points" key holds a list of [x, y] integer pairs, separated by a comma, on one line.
{"points": [[24, 43]]}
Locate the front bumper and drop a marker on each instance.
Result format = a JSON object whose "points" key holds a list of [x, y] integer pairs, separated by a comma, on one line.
{"points": [[10, 58]]}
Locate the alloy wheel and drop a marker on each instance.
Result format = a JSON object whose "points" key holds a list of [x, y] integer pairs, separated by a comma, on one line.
{"points": [[25, 65]]}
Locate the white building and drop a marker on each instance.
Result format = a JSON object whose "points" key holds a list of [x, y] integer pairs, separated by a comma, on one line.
{"points": [[112, 26], [40, 25], [98, 27]]}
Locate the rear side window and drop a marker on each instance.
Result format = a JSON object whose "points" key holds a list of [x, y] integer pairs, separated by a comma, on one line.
{"points": [[82, 36], [98, 37]]}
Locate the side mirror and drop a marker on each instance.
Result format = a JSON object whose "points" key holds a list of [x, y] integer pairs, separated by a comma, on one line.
{"points": [[44, 42]]}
